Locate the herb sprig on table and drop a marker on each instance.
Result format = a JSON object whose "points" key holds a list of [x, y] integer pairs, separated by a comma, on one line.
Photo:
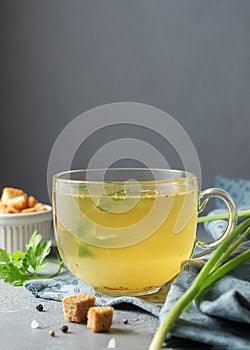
{"points": [[218, 265], [19, 267]]}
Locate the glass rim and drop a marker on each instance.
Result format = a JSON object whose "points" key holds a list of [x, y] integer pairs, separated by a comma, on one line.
{"points": [[185, 177]]}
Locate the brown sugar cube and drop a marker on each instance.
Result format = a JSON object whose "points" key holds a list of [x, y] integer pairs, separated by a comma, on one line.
{"points": [[75, 307], [100, 318]]}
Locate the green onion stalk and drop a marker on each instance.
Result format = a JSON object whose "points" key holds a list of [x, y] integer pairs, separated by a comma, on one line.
{"points": [[217, 266], [223, 216]]}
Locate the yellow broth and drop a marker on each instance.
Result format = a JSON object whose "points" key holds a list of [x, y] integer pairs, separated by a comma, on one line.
{"points": [[91, 241]]}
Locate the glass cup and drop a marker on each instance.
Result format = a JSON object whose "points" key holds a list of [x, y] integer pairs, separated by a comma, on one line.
{"points": [[127, 231]]}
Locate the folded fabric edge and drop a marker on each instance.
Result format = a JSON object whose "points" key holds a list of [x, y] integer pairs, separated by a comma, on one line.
{"points": [[198, 333], [38, 289]]}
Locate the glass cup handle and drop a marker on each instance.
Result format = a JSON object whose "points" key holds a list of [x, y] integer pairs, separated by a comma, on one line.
{"points": [[206, 195]]}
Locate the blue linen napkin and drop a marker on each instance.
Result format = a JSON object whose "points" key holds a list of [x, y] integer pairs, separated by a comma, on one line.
{"points": [[67, 284], [221, 318], [239, 189]]}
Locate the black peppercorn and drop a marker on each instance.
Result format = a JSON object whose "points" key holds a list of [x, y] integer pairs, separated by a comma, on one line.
{"points": [[64, 329], [39, 307]]}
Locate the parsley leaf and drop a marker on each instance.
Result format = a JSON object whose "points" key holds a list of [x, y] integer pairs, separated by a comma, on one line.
{"points": [[12, 274], [37, 252], [19, 267], [4, 256]]}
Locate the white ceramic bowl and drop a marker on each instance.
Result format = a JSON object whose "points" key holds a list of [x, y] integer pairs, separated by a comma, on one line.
{"points": [[16, 229]]}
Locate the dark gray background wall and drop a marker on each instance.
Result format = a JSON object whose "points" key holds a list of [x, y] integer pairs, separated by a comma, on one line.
{"points": [[190, 58]]}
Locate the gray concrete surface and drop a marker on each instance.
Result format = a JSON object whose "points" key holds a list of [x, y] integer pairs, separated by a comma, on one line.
{"points": [[18, 310]]}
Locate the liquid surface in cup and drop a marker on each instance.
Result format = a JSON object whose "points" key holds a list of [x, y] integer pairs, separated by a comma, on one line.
{"points": [[125, 242]]}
